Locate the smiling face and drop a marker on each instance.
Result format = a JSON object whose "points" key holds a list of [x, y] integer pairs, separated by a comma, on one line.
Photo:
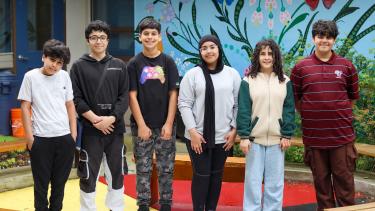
{"points": [[150, 38], [323, 44], [51, 65], [210, 54], [266, 59], [98, 42]]}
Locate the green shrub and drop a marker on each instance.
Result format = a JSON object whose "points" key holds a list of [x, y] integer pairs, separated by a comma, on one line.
{"points": [[366, 163], [14, 159], [294, 154], [237, 151]]}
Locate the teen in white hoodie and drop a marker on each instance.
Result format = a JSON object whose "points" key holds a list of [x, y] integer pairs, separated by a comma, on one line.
{"points": [[265, 123]]}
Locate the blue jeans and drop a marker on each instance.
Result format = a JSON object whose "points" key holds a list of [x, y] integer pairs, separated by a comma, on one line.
{"points": [[264, 162]]}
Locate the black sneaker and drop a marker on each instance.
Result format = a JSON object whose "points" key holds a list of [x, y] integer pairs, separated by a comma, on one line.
{"points": [[165, 207], [143, 208]]}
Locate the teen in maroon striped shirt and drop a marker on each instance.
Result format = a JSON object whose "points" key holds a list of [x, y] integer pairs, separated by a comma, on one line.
{"points": [[325, 87]]}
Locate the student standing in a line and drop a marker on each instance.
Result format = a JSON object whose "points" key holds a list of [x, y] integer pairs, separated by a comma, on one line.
{"points": [[325, 88], [153, 101], [46, 93], [208, 105], [100, 85], [265, 123]]}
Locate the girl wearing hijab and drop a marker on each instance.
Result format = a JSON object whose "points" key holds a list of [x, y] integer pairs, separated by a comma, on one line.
{"points": [[208, 106], [265, 124]]}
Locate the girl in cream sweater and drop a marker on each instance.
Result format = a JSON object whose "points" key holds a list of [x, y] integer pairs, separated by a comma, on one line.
{"points": [[265, 123]]}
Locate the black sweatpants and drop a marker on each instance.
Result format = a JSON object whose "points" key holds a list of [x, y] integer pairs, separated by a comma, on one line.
{"points": [[94, 147], [51, 162], [207, 176]]}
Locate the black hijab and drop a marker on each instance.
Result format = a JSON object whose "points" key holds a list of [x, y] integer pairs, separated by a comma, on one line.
{"points": [[209, 101]]}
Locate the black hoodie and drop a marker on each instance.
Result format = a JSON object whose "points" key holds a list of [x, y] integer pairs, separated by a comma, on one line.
{"points": [[110, 99]]}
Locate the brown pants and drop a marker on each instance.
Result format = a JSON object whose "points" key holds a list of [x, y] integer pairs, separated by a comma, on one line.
{"points": [[332, 170]]}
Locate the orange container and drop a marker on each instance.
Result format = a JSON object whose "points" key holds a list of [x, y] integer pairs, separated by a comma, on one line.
{"points": [[16, 122]]}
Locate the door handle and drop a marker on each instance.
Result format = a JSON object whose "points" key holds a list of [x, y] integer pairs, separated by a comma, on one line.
{"points": [[22, 58]]}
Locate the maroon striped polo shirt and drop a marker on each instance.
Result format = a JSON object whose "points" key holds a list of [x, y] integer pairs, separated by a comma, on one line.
{"points": [[325, 90]]}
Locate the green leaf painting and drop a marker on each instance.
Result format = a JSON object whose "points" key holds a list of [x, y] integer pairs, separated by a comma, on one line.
{"points": [[240, 24]]}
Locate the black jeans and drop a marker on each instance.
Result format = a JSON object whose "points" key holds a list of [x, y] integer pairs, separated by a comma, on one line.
{"points": [[51, 161], [207, 176]]}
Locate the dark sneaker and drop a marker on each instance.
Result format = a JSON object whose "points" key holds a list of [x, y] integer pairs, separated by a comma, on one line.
{"points": [[143, 208], [165, 207]]}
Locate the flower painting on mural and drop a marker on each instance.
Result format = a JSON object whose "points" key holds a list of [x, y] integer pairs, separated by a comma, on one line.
{"points": [[281, 18], [313, 4]]}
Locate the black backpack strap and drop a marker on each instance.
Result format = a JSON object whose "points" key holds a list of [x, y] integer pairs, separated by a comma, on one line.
{"points": [[101, 81]]}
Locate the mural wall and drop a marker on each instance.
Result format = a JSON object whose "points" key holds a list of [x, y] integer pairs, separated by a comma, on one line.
{"points": [[241, 24]]}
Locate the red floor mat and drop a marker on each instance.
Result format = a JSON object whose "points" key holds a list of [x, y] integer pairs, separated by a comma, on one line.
{"points": [[295, 193]]}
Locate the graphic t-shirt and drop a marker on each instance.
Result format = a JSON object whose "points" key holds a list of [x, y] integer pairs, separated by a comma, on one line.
{"points": [[153, 78]]}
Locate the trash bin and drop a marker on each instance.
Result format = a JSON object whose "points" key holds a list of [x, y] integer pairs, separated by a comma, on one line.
{"points": [[8, 100]]}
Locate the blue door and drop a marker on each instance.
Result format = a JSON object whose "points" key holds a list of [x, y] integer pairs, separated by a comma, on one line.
{"points": [[33, 22], [36, 22]]}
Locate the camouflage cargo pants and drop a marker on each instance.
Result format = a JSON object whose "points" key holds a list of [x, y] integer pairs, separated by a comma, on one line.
{"points": [[165, 151]]}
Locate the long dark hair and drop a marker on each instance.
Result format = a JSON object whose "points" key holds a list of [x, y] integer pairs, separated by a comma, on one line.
{"points": [[277, 59]]}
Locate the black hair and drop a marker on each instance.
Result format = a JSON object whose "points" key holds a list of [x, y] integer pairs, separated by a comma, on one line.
{"points": [[325, 28], [149, 23], [216, 40], [97, 25], [276, 55], [57, 50]]}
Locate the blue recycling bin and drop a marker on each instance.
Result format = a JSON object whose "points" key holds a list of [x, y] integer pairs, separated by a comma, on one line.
{"points": [[8, 96]]}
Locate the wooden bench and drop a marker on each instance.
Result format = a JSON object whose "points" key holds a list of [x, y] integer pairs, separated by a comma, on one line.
{"points": [[362, 149], [234, 171], [359, 207]]}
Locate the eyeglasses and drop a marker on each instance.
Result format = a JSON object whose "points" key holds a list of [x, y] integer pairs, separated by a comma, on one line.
{"points": [[96, 38], [206, 48]]}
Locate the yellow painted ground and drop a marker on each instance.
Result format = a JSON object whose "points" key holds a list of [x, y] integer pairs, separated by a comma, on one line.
{"points": [[23, 199]]}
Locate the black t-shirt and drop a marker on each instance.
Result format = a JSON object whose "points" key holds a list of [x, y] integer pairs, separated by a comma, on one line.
{"points": [[153, 78]]}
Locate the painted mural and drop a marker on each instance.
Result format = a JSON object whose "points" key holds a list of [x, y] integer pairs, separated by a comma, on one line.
{"points": [[241, 24]]}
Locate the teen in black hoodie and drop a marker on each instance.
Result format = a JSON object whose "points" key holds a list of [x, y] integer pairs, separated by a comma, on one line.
{"points": [[100, 85]]}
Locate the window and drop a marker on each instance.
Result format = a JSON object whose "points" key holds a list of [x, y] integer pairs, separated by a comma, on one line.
{"points": [[39, 17], [119, 14], [5, 26]]}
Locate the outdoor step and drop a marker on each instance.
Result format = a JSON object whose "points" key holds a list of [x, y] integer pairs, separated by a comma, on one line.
{"points": [[360, 207], [363, 149]]}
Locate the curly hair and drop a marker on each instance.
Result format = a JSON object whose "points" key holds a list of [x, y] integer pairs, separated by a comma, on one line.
{"points": [[276, 55], [325, 28]]}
